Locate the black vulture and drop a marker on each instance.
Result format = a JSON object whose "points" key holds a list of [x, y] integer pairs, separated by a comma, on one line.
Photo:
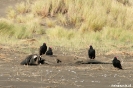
{"points": [[49, 52], [116, 63], [91, 52], [32, 59], [43, 49]]}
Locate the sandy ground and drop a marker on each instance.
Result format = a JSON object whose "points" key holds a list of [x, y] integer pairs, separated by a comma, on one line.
{"points": [[14, 75]]}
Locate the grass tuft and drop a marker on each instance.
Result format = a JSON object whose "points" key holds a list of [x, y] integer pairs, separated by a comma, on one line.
{"points": [[72, 23]]}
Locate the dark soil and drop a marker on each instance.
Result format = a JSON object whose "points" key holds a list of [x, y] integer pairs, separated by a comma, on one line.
{"points": [[14, 75]]}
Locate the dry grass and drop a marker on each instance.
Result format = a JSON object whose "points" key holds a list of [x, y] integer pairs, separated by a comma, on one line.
{"points": [[105, 24], [86, 15]]}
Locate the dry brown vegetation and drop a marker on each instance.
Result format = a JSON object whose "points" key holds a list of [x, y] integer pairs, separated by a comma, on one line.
{"points": [[106, 24]]}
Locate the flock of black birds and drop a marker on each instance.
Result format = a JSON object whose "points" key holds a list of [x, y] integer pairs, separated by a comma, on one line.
{"points": [[35, 59], [43, 50], [116, 63]]}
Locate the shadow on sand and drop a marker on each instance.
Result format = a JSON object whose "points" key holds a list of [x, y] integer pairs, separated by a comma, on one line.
{"points": [[93, 61]]}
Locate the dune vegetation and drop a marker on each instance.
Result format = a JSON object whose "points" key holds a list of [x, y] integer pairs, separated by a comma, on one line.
{"points": [[105, 24]]}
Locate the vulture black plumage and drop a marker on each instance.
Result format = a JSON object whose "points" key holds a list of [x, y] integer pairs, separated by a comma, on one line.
{"points": [[49, 52], [43, 49], [91, 52], [116, 63]]}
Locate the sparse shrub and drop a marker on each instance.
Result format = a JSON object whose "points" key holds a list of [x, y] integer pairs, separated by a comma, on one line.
{"points": [[22, 7], [49, 22], [62, 19], [6, 28], [11, 13], [20, 31], [59, 32], [41, 7]]}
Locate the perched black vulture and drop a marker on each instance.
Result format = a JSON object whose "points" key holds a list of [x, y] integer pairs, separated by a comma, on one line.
{"points": [[91, 52], [49, 52], [116, 63], [32, 59], [43, 49]]}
